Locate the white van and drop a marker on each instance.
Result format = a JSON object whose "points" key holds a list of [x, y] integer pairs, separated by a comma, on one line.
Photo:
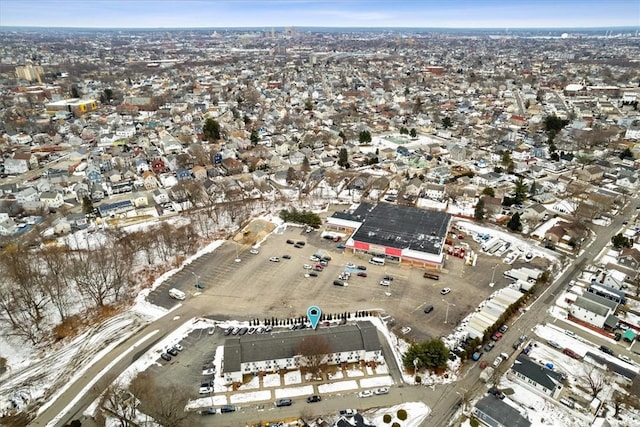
{"points": [[177, 294], [376, 260]]}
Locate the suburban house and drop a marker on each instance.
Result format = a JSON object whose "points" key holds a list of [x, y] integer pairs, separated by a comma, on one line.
{"points": [[630, 257], [594, 310], [232, 166], [15, 166], [251, 354], [52, 199], [495, 413], [536, 376], [29, 194]]}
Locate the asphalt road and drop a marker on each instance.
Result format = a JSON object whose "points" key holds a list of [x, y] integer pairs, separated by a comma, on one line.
{"points": [[444, 400]]}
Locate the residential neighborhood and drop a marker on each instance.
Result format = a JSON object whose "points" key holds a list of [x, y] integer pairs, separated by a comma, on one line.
{"points": [[465, 191]]}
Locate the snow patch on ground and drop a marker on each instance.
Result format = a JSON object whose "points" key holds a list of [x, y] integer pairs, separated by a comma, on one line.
{"points": [[417, 412], [294, 391], [337, 386], [376, 382]]}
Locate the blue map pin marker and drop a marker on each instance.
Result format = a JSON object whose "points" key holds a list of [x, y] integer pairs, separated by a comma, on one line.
{"points": [[314, 313]]}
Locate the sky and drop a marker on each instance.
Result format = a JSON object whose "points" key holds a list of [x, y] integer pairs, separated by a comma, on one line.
{"points": [[320, 13]]}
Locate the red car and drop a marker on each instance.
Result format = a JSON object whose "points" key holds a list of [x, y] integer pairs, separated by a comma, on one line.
{"points": [[362, 274], [571, 353], [497, 336], [319, 267]]}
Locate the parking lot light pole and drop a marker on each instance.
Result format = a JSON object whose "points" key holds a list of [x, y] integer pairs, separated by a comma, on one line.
{"points": [[446, 316], [493, 276], [197, 278]]}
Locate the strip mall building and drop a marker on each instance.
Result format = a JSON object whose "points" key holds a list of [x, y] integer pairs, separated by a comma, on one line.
{"points": [[400, 234]]}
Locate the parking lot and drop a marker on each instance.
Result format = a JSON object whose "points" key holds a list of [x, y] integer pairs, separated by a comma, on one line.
{"points": [[257, 288]]}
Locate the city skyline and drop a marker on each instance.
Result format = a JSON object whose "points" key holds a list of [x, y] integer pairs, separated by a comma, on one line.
{"points": [[314, 13]]}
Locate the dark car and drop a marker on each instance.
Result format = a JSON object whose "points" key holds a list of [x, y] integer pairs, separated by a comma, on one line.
{"points": [[314, 398], [300, 243], [489, 346], [387, 277], [428, 309], [297, 246], [497, 393], [227, 408], [361, 274], [571, 353], [338, 283], [286, 256], [617, 336], [243, 331], [290, 242], [606, 349], [361, 267], [283, 402], [228, 331], [340, 246], [210, 411], [313, 274], [165, 356], [172, 351]]}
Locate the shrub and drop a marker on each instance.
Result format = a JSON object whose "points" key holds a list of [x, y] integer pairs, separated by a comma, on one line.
{"points": [[418, 379], [402, 414], [386, 418], [474, 422], [395, 425]]}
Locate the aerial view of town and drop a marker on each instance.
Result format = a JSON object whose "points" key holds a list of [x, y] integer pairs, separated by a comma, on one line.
{"points": [[319, 213]]}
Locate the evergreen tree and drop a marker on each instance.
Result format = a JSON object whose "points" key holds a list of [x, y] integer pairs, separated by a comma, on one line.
{"points": [[514, 223], [211, 130], [254, 137], [413, 133], [343, 158], [447, 122], [478, 213]]}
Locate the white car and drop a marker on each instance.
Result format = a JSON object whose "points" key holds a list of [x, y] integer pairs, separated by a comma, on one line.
{"points": [[381, 390], [385, 283], [307, 267], [625, 358], [206, 390], [445, 291], [314, 258], [350, 265], [274, 259], [365, 393], [210, 371], [178, 347], [254, 251]]}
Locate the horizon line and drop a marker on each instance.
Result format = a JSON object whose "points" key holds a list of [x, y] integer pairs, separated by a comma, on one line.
{"points": [[502, 28]]}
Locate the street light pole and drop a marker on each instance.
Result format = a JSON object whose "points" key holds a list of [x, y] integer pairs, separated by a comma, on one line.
{"points": [[446, 316], [197, 278], [493, 276]]}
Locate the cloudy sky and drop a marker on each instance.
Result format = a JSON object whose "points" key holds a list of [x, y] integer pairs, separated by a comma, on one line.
{"points": [[327, 13]]}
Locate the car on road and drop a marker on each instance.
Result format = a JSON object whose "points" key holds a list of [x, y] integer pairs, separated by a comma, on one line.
{"points": [[445, 291], [361, 274], [520, 341], [172, 351], [274, 259], [340, 283], [340, 246], [617, 336], [312, 274], [227, 408], [347, 412], [385, 283], [496, 337], [286, 256], [387, 277], [489, 346], [301, 243], [350, 265], [361, 267], [605, 349], [381, 390], [165, 356], [307, 267], [428, 309], [314, 398], [209, 411], [283, 402], [365, 393]]}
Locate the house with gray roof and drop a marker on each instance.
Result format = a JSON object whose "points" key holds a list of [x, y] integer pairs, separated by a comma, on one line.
{"points": [[593, 309], [536, 376], [251, 354], [495, 413]]}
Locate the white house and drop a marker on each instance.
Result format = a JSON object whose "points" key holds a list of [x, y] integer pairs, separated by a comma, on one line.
{"points": [[52, 199], [536, 376], [15, 166], [251, 354], [593, 309], [29, 194]]}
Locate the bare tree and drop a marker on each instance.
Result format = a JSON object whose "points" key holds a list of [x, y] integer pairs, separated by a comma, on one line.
{"points": [[163, 402], [595, 378], [120, 404], [58, 278], [314, 350]]}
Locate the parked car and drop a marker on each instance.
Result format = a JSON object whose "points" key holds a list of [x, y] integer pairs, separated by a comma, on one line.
{"points": [[314, 398], [254, 251], [209, 371], [572, 353], [286, 256], [617, 336], [212, 330], [387, 277], [489, 346], [445, 291], [165, 356], [554, 344], [431, 276], [227, 408], [361, 267], [228, 331], [312, 274], [205, 389], [520, 341], [362, 274], [428, 309], [340, 246], [283, 402], [503, 329], [172, 351], [385, 283], [209, 411], [274, 259], [314, 258], [350, 265], [381, 390], [497, 393], [301, 243], [307, 267], [339, 283], [606, 349], [477, 355], [290, 242], [496, 337], [178, 347], [365, 393], [625, 358], [243, 331], [347, 412]]}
